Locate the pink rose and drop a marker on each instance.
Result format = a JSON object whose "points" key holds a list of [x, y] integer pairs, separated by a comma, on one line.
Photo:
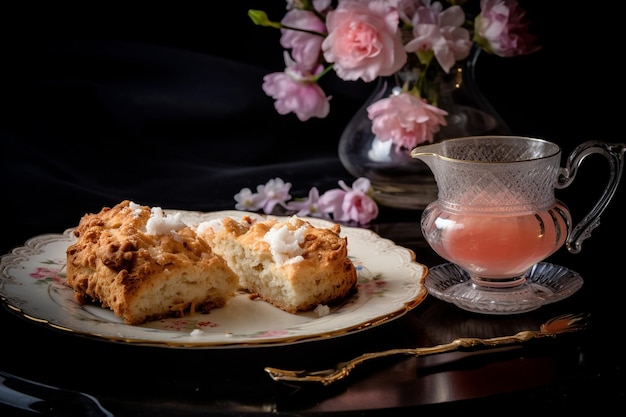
{"points": [[363, 40], [305, 47], [502, 30], [405, 120], [297, 91]]}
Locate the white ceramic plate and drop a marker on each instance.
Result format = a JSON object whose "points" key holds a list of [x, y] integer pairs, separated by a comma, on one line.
{"points": [[390, 283]]}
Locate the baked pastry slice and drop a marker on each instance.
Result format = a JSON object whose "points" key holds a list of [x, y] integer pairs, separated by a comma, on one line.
{"points": [[145, 265], [291, 263]]}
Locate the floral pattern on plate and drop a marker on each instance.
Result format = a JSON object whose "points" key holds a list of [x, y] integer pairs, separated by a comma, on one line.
{"points": [[390, 283]]}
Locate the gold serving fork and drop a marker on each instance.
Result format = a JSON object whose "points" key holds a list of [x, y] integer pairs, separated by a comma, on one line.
{"points": [[557, 325]]}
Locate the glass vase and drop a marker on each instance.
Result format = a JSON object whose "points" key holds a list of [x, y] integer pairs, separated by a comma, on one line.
{"points": [[398, 180]]}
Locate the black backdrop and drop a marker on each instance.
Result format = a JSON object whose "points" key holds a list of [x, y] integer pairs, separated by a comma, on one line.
{"points": [[162, 104]]}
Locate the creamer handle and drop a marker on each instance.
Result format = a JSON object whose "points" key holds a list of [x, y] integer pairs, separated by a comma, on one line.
{"points": [[614, 153]]}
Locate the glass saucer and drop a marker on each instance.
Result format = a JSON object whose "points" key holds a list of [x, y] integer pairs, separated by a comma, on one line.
{"points": [[545, 283]]}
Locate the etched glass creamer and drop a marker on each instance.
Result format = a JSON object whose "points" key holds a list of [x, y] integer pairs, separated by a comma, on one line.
{"points": [[496, 215]]}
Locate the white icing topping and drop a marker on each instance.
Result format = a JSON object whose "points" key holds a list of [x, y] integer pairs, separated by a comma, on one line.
{"points": [[160, 223], [322, 310], [175, 236], [215, 224], [285, 244], [136, 208]]}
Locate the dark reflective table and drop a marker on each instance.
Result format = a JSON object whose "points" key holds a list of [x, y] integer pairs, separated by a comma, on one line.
{"points": [[569, 371], [137, 108]]}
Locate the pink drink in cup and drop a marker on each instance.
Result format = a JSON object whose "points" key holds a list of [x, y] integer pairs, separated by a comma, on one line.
{"points": [[496, 217], [496, 246]]}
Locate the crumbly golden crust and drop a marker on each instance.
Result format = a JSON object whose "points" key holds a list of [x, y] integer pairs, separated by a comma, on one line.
{"points": [[142, 276], [318, 273]]}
